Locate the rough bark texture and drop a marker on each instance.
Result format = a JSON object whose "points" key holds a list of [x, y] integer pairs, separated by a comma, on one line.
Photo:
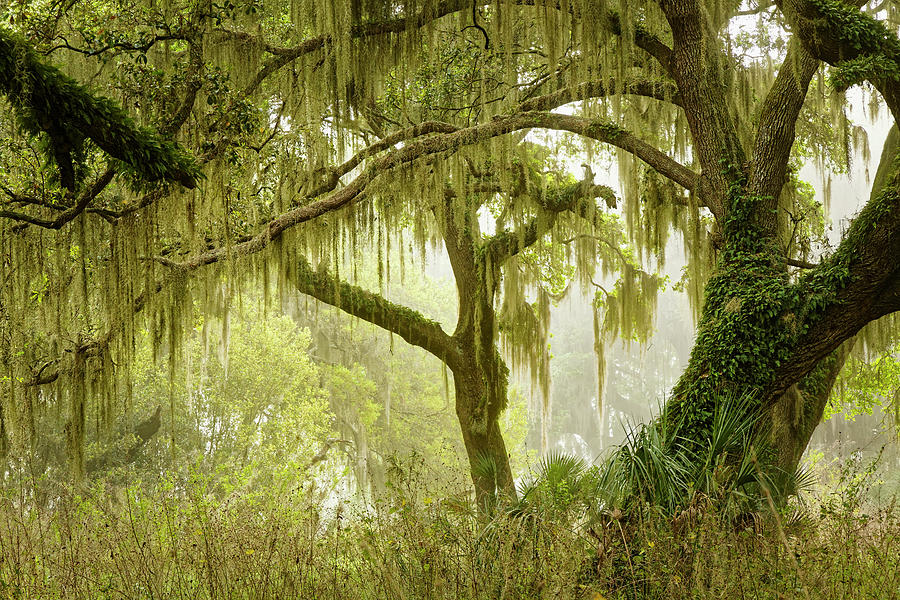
{"points": [[777, 341], [795, 415]]}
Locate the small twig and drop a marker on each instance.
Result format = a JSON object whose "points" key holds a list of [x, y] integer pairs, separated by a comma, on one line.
{"points": [[475, 25], [801, 264]]}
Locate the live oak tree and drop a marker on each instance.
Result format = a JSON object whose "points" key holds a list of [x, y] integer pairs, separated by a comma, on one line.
{"points": [[321, 127]]}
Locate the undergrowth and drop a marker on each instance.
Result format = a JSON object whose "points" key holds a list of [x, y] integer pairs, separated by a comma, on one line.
{"points": [[182, 541], [660, 518]]}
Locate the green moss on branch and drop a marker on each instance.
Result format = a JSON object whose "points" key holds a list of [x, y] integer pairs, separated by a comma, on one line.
{"points": [[50, 103]]}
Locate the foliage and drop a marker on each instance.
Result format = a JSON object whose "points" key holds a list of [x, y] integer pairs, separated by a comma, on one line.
{"points": [[865, 385], [67, 113], [177, 541], [734, 473], [249, 402], [369, 123]]}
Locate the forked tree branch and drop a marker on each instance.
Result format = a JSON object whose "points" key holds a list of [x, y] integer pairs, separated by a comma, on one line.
{"points": [[839, 34], [777, 129]]}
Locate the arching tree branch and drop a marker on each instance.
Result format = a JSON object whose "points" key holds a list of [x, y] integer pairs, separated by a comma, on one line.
{"points": [[860, 46], [332, 176], [413, 151], [659, 90]]}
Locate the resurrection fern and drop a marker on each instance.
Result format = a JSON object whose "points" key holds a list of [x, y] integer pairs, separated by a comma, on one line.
{"points": [[48, 102]]}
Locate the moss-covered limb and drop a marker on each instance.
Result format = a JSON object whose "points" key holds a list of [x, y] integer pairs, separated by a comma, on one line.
{"points": [[371, 307], [859, 46], [48, 102], [663, 91], [331, 177], [761, 334], [193, 83], [449, 142], [777, 130], [859, 284], [578, 198], [611, 134], [283, 56], [643, 39]]}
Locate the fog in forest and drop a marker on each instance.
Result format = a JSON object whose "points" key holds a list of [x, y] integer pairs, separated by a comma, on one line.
{"points": [[594, 300]]}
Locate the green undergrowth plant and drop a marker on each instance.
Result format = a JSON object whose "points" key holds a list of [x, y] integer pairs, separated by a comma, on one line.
{"points": [[733, 473], [186, 539], [734, 470]]}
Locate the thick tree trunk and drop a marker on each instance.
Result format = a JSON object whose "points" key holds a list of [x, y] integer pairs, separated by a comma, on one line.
{"points": [[479, 373], [485, 448], [747, 337], [796, 414]]}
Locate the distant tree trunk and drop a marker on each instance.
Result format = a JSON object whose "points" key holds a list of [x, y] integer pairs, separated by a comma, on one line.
{"points": [[479, 373]]}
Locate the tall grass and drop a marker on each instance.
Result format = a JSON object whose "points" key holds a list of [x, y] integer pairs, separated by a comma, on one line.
{"points": [[180, 541], [661, 518]]}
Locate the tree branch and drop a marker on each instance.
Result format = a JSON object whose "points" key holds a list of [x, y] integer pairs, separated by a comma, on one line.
{"points": [[449, 142], [644, 40], [68, 214], [858, 284], [332, 175], [777, 129], [373, 308], [578, 198], [860, 46], [51, 103], [284, 56], [659, 90]]}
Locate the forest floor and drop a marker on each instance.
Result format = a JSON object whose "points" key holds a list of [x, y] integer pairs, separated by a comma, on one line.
{"points": [[184, 541]]}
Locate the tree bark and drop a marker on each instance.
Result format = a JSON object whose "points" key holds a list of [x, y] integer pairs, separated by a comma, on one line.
{"points": [[479, 374], [795, 415], [485, 447]]}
